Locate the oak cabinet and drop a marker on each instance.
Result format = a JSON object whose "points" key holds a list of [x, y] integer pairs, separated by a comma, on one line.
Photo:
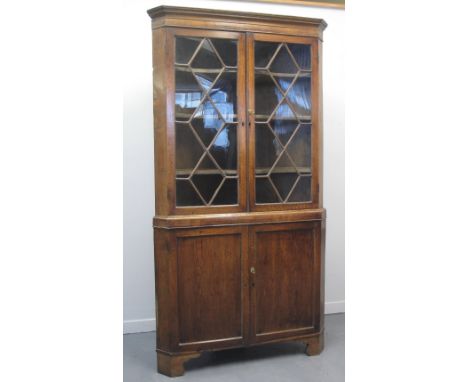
{"points": [[239, 225]]}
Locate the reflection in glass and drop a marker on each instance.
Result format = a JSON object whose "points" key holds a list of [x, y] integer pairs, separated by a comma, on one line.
{"points": [[208, 113], [188, 94], [299, 97], [284, 82], [206, 79], [224, 149], [301, 54], [284, 111], [224, 95]]}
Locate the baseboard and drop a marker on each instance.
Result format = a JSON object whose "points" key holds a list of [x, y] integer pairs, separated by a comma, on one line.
{"points": [[149, 324], [139, 326], [335, 307]]}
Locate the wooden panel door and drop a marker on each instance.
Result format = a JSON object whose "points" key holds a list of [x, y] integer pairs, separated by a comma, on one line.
{"points": [[285, 280], [212, 289], [284, 122]]}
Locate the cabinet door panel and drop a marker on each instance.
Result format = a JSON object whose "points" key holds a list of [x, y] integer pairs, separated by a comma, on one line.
{"points": [[208, 69], [283, 124], [210, 286], [286, 279]]}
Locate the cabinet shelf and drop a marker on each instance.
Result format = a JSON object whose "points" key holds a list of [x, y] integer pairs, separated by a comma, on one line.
{"points": [[283, 170], [185, 173], [262, 118]]}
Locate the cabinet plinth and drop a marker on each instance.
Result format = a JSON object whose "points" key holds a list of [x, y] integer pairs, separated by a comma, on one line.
{"points": [[239, 229]]}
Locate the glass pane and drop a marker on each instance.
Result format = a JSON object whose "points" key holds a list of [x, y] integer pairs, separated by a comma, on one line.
{"points": [[186, 160], [207, 166], [224, 149], [299, 149], [284, 82], [206, 58], [284, 176], [188, 94], [224, 95], [284, 112], [227, 50], [228, 193], [206, 127], [206, 79], [301, 192], [186, 194], [206, 106], [267, 148], [207, 184], [264, 192], [302, 55], [284, 183], [283, 62], [282, 131], [264, 52], [185, 47], [209, 114], [299, 96], [267, 96]]}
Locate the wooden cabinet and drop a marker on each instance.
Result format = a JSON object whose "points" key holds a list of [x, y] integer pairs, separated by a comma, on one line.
{"points": [[239, 225]]}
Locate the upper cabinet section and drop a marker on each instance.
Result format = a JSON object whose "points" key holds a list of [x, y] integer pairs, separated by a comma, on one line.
{"points": [[236, 111]]}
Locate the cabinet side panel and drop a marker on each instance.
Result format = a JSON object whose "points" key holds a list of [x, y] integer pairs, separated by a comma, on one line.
{"points": [[165, 262], [317, 123], [162, 158], [210, 287]]}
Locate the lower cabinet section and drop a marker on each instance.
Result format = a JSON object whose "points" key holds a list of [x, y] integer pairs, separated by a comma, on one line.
{"points": [[237, 286]]}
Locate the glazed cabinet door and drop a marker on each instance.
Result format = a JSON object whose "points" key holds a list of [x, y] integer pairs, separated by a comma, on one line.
{"points": [[283, 122], [212, 287], [206, 120], [285, 276]]}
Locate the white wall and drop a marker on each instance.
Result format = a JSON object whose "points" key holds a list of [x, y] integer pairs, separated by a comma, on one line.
{"points": [[138, 277]]}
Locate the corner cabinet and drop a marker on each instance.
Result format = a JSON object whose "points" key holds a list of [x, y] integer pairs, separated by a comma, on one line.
{"points": [[239, 226]]}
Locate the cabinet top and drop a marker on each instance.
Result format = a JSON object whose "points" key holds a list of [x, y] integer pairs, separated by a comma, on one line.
{"points": [[170, 16]]}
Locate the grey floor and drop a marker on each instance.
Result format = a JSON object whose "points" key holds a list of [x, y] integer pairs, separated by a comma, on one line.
{"points": [[272, 363]]}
